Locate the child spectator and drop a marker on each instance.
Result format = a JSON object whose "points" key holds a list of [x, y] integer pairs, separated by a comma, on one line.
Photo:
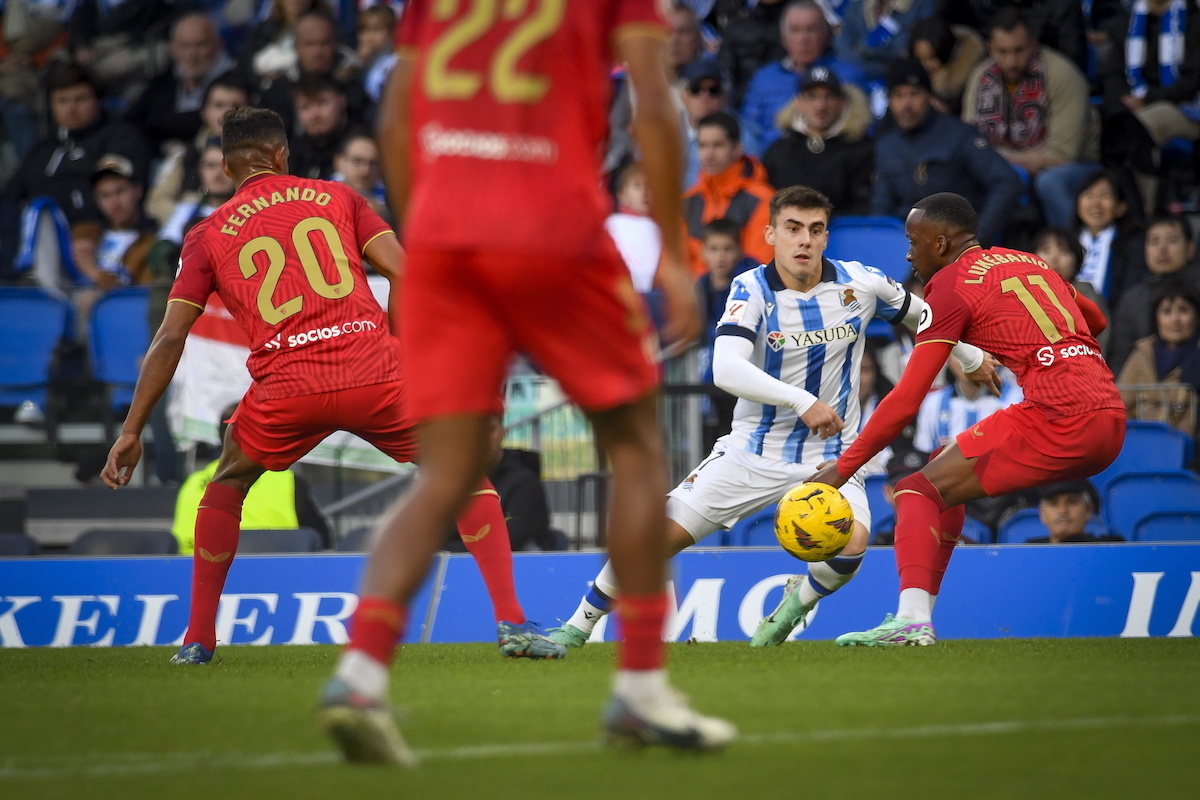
{"points": [[1063, 252], [636, 235], [721, 252], [376, 30], [357, 165], [114, 253]]}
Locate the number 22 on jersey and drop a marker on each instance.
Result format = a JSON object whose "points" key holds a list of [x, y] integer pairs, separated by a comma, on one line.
{"points": [[277, 259], [505, 82]]}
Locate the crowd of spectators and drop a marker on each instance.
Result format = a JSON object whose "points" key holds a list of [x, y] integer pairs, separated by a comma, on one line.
{"points": [[1071, 126]]}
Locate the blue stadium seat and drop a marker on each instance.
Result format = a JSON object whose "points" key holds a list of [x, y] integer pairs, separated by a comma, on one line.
{"points": [[124, 542], [756, 530], [32, 323], [875, 241], [875, 500], [18, 544], [1021, 527], [1149, 447], [1132, 497], [976, 531], [1168, 526], [118, 337], [356, 541], [295, 540]]}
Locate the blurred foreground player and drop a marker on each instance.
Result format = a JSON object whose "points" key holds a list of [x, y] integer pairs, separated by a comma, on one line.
{"points": [[285, 255], [519, 107], [1070, 425]]}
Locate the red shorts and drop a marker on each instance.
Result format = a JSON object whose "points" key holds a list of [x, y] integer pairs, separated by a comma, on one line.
{"points": [[277, 433], [466, 314], [1019, 448]]}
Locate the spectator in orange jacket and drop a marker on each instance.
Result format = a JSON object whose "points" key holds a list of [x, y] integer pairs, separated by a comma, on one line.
{"points": [[731, 185]]}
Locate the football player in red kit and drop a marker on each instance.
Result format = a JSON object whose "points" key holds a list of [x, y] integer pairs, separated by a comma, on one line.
{"points": [[1070, 425], [285, 255], [491, 132]]}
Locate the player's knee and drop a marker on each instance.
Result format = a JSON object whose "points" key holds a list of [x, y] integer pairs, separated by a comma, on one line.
{"points": [[917, 483]]}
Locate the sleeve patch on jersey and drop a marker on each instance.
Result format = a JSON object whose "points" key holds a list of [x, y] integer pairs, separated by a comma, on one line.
{"points": [[733, 313], [926, 319]]}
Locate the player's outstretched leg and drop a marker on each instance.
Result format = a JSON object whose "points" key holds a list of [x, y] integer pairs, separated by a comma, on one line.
{"points": [[644, 709], [485, 535], [598, 601], [802, 592]]}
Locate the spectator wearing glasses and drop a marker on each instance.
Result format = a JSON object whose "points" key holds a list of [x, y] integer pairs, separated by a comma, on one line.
{"points": [[702, 88]]}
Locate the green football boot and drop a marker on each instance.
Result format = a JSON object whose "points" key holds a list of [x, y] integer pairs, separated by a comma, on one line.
{"points": [[787, 616], [891, 632]]}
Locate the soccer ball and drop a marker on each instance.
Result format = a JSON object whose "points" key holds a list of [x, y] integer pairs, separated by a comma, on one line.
{"points": [[814, 522]]}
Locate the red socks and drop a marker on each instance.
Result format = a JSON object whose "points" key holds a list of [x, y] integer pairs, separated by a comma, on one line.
{"points": [[376, 627], [642, 618], [919, 536], [950, 523], [217, 526], [485, 534]]}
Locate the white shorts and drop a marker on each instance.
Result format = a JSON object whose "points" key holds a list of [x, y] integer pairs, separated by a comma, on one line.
{"points": [[731, 484]]}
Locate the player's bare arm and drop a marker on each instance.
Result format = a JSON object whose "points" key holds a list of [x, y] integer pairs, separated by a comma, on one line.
{"points": [[394, 122], [656, 128], [386, 256], [158, 367]]}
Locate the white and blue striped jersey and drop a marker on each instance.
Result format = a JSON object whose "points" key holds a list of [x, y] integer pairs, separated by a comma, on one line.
{"points": [[813, 340], [947, 412]]}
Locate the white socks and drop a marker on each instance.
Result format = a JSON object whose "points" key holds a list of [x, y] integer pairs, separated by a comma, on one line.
{"points": [[597, 602], [640, 688], [916, 605], [363, 674]]}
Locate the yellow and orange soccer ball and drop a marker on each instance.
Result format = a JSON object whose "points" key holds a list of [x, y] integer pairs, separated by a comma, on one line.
{"points": [[814, 522]]}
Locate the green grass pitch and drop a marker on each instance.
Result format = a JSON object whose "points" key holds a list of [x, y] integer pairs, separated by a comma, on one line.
{"points": [[965, 719]]}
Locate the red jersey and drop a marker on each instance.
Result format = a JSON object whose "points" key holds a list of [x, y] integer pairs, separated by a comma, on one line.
{"points": [[509, 114], [1014, 306], [285, 256]]}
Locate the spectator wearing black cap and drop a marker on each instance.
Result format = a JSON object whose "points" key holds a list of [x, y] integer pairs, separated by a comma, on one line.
{"points": [[114, 253], [825, 144], [806, 35], [928, 152], [1065, 509], [703, 89]]}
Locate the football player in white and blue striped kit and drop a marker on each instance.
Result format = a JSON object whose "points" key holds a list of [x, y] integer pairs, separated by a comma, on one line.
{"points": [[790, 347]]}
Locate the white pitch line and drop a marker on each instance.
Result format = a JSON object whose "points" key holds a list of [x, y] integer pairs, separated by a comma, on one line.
{"points": [[120, 764]]}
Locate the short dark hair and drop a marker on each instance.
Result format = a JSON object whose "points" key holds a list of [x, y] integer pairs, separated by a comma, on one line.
{"points": [[725, 121], [313, 84], [625, 173], [67, 75], [1172, 219], [722, 226], [386, 14], [226, 80], [1173, 289], [938, 33], [799, 197], [949, 209], [1064, 239], [251, 129], [355, 132], [1008, 19]]}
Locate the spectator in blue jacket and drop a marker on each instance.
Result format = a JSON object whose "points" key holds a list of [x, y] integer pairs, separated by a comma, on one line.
{"points": [[927, 152], [806, 37], [874, 33]]}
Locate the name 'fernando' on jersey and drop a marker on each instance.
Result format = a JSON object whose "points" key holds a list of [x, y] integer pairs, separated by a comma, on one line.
{"points": [[813, 340], [508, 121], [285, 256]]}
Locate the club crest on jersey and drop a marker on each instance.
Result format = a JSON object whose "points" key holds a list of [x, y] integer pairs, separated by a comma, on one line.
{"points": [[776, 340], [849, 300]]}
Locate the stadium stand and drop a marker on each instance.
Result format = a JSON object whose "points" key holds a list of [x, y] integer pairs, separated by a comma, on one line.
{"points": [[296, 540], [1168, 526], [119, 335], [875, 241], [124, 542], [32, 324], [18, 544], [1132, 497]]}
